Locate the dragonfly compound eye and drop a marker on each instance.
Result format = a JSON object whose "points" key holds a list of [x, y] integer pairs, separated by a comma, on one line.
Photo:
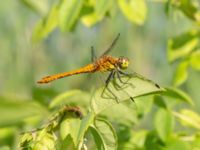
{"points": [[123, 62]]}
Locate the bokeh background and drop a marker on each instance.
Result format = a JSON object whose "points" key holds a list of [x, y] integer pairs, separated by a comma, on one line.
{"points": [[23, 61]]}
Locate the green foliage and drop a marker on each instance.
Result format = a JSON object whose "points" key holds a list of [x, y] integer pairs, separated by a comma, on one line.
{"points": [[164, 124], [135, 11], [194, 60], [42, 140], [177, 94], [181, 73], [73, 127], [175, 143], [189, 8], [183, 46], [41, 7], [67, 19], [104, 134], [71, 97], [67, 13], [136, 87], [101, 7], [188, 118], [137, 115], [15, 111], [76, 129], [46, 25]]}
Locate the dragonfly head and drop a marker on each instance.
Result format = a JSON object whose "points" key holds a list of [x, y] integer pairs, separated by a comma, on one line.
{"points": [[123, 62]]}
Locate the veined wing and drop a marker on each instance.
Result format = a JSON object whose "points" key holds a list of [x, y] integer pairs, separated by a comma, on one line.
{"points": [[144, 78], [111, 46]]}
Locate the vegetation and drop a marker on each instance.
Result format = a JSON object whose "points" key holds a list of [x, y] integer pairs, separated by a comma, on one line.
{"points": [[161, 39]]}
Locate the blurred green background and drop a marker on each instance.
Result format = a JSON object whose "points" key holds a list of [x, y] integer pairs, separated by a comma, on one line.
{"points": [[24, 61]]}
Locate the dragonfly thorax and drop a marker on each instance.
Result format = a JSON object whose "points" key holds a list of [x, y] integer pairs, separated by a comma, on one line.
{"points": [[123, 63]]}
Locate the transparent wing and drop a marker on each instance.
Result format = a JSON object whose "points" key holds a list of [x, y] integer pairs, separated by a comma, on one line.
{"points": [[93, 56], [111, 46]]}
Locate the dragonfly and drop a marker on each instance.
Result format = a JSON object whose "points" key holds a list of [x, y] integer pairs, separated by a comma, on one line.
{"points": [[105, 63]]}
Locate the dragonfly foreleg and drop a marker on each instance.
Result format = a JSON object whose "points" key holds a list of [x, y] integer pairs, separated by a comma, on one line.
{"points": [[118, 87], [124, 73], [124, 82], [111, 75]]}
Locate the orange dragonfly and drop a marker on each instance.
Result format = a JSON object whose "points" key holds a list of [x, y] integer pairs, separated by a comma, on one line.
{"points": [[106, 63], [102, 64]]}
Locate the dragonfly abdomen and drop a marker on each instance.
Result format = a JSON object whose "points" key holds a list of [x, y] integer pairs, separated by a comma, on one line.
{"points": [[87, 69]]}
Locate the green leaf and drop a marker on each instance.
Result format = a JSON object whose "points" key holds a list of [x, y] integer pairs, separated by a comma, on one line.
{"points": [[195, 60], [26, 141], [164, 123], [46, 25], [136, 86], [40, 7], [88, 14], [180, 46], [153, 142], [134, 10], [137, 140], [7, 132], [39, 141], [76, 128], [167, 8], [97, 138], [125, 114], [188, 118], [190, 9], [14, 111], [178, 95], [70, 127], [48, 142], [85, 123], [67, 143], [143, 105], [68, 13], [89, 19], [159, 101], [101, 7], [72, 96], [181, 73], [105, 134], [45, 140], [196, 142], [175, 144]]}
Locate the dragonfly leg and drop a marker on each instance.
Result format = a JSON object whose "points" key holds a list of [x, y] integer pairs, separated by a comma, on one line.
{"points": [[112, 74], [116, 85], [114, 97], [124, 73], [124, 82], [142, 77], [119, 88]]}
